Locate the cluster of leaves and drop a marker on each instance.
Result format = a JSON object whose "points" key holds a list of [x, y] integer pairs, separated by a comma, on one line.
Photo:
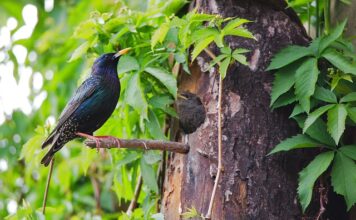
{"points": [[160, 43], [318, 81]]}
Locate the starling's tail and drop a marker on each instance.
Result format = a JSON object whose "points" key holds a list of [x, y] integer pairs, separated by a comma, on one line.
{"points": [[47, 158]]}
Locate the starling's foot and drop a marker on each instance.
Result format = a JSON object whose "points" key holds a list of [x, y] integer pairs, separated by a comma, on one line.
{"points": [[113, 139], [97, 144]]}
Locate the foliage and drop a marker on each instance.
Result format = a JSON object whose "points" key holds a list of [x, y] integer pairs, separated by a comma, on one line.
{"points": [[318, 81], [160, 41]]}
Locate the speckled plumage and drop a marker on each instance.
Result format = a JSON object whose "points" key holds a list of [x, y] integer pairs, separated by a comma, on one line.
{"points": [[89, 108]]}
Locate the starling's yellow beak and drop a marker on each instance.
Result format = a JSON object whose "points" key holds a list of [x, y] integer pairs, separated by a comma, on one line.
{"points": [[123, 51]]}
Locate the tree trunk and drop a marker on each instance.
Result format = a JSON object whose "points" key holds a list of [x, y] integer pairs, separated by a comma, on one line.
{"points": [[252, 185]]}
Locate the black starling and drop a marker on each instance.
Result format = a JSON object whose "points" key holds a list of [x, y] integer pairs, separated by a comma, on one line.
{"points": [[90, 107]]}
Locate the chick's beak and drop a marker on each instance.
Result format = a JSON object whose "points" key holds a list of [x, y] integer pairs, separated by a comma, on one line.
{"points": [[123, 51]]}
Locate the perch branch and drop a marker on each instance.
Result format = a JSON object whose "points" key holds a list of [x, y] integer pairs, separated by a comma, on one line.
{"points": [[47, 186], [112, 142], [136, 195], [217, 178]]}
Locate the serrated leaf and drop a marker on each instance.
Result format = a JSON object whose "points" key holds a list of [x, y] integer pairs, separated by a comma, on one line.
{"points": [[343, 178], [351, 112], [334, 35], [283, 82], [288, 55], [349, 150], [200, 46], [80, 51], [351, 97], [203, 34], [310, 174], [336, 121], [318, 131], [135, 97], [239, 32], [159, 35], [148, 176], [240, 58], [296, 110], [126, 64], [285, 99], [167, 79], [306, 78], [235, 23], [224, 66], [340, 61], [325, 95], [315, 115], [295, 142], [154, 127]]}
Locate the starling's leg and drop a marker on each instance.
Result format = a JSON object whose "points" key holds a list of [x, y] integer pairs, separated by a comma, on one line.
{"points": [[91, 138]]}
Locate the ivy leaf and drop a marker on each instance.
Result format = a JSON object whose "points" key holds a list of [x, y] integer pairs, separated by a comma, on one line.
{"points": [[80, 51], [223, 66], [154, 127], [351, 97], [351, 112], [340, 61], [288, 55], [240, 58], [334, 35], [167, 79], [134, 95], [159, 35], [306, 77], [315, 115], [126, 64], [325, 95], [318, 131], [310, 174], [285, 99], [200, 46], [343, 178], [148, 176], [235, 23], [295, 142], [239, 32], [336, 121], [296, 110], [283, 82], [349, 150]]}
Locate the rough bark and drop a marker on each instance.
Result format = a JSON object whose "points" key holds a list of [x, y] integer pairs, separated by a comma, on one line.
{"points": [[253, 186]]}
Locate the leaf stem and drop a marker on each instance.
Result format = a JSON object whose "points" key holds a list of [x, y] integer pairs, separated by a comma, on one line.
{"points": [[326, 16], [136, 195]]}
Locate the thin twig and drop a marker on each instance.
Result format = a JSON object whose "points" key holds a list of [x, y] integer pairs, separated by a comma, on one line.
{"points": [[47, 187], [323, 199], [111, 142], [96, 188], [136, 195], [217, 178]]}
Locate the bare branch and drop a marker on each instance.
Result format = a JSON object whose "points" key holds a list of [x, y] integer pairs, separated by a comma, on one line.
{"points": [[136, 195], [112, 142], [47, 187]]}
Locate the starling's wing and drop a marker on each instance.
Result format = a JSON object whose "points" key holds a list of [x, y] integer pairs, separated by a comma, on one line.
{"points": [[85, 90]]}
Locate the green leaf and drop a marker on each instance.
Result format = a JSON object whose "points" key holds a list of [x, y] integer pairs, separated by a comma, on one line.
{"points": [[351, 97], [283, 82], [349, 150], [296, 111], [200, 46], [240, 58], [295, 142], [285, 99], [343, 178], [149, 176], [351, 112], [340, 61], [134, 95], [154, 127], [152, 157], [126, 64], [203, 34], [336, 121], [318, 131], [334, 35], [167, 79], [310, 174], [159, 35], [288, 55], [325, 95], [239, 32], [235, 23], [224, 66], [80, 51], [315, 115], [306, 78], [191, 213]]}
